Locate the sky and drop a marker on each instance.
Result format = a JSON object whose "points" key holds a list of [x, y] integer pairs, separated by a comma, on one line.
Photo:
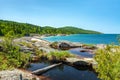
{"points": [[98, 15]]}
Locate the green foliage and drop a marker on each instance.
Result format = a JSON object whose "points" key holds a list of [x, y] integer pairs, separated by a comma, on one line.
{"points": [[59, 55], [21, 29], [40, 53], [54, 45], [108, 63], [74, 30], [10, 55]]}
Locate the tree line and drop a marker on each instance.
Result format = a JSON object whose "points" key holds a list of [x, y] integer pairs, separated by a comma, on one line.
{"points": [[22, 29]]}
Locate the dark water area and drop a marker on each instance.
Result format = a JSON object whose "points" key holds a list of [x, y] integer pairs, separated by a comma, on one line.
{"points": [[82, 54], [65, 72]]}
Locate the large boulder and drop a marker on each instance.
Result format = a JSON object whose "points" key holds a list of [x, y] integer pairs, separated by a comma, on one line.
{"points": [[81, 62], [64, 46]]}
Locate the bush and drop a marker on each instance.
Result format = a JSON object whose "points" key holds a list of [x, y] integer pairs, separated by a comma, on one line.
{"points": [[108, 63], [54, 45], [10, 55], [61, 55]]}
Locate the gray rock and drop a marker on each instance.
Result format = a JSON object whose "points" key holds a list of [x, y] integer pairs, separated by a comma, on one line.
{"points": [[16, 75], [26, 49], [101, 46], [64, 46]]}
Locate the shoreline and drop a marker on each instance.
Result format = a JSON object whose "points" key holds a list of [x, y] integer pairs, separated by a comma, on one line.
{"points": [[38, 42], [114, 39]]}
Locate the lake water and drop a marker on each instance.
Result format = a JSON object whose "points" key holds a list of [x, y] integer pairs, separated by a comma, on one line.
{"points": [[65, 72], [87, 38], [76, 51]]}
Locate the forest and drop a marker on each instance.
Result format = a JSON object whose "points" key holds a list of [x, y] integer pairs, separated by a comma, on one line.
{"points": [[22, 29]]}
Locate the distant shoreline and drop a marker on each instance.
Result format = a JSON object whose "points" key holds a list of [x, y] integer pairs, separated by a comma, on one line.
{"points": [[86, 38]]}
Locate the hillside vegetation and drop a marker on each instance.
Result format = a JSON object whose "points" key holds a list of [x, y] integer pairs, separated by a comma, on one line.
{"points": [[17, 28]]}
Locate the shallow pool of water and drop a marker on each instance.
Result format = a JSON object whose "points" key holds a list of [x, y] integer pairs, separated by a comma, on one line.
{"points": [[83, 54], [65, 72]]}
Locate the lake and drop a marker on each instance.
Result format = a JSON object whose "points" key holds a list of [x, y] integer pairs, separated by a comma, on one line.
{"points": [[87, 38]]}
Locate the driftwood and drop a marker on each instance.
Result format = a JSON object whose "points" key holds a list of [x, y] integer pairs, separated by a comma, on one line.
{"points": [[43, 70]]}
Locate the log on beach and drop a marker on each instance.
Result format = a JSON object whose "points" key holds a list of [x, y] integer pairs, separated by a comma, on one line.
{"points": [[43, 70]]}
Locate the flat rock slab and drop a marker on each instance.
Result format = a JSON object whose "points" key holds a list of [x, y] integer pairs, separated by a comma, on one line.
{"points": [[16, 75], [81, 61]]}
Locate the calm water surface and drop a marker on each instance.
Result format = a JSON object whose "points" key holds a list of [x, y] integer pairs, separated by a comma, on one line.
{"points": [[65, 72], [83, 54], [87, 38]]}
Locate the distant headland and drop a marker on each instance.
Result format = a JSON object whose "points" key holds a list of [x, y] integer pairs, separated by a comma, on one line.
{"points": [[26, 29]]}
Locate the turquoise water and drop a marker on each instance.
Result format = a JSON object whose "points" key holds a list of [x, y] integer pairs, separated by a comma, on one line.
{"points": [[66, 72], [87, 38]]}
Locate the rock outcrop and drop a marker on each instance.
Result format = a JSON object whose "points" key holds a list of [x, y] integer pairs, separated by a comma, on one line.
{"points": [[89, 62], [28, 44], [17, 75], [65, 45]]}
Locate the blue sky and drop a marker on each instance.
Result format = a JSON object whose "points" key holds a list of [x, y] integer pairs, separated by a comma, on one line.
{"points": [[99, 15]]}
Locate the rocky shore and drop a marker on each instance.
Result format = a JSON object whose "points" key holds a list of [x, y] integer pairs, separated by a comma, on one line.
{"points": [[28, 44], [17, 74]]}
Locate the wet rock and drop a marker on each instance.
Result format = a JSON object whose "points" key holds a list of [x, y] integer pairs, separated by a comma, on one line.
{"points": [[84, 50], [81, 63], [64, 46]]}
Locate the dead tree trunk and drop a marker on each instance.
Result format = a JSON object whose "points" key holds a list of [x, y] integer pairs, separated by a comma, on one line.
{"points": [[43, 70]]}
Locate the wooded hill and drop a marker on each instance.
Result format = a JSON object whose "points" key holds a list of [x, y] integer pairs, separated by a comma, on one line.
{"points": [[18, 28]]}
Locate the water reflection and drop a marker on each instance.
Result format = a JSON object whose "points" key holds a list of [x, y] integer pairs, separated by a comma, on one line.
{"points": [[65, 72], [83, 54]]}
